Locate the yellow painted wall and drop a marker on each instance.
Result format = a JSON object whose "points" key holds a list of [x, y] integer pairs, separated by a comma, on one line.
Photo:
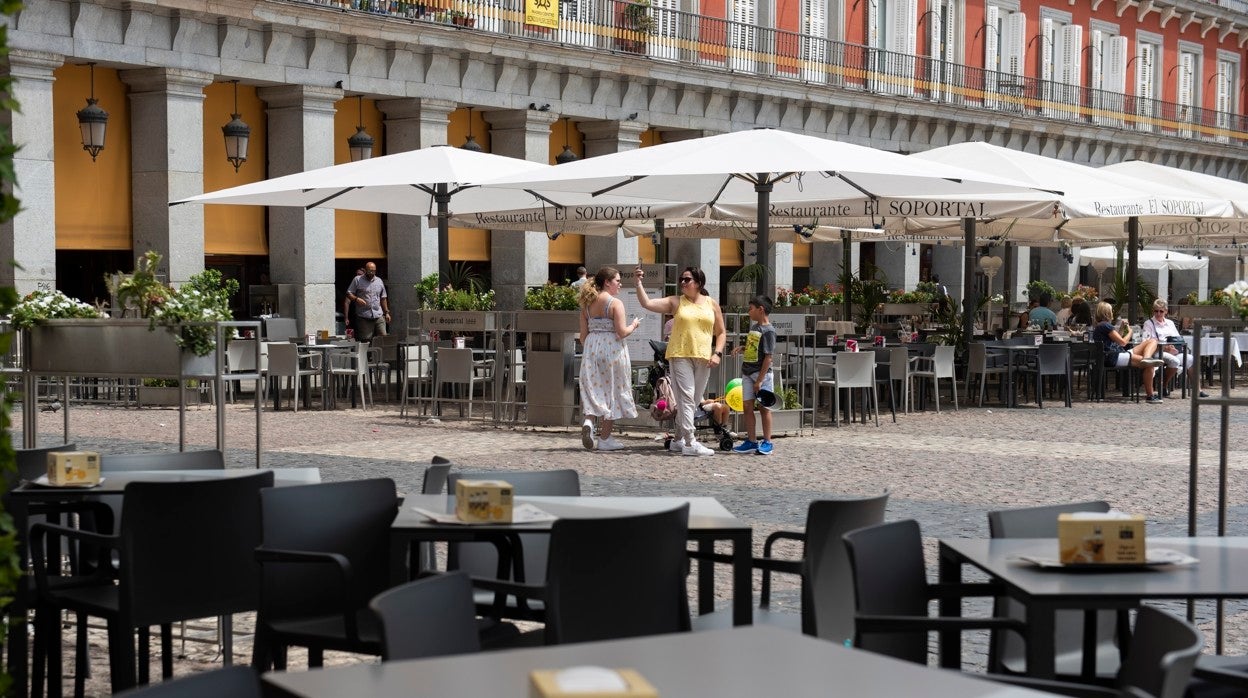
{"points": [[234, 229], [92, 198], [569, 248], [645, 250], [357, 233], [801, 254], [730, 254], [651, 136], [468, 244]]}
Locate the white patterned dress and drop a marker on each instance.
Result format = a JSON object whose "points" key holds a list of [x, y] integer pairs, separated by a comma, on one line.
{"points": [[606, 375]]}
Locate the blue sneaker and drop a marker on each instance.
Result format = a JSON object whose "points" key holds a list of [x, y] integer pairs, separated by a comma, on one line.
{"points": [[746, 446], [764, 448]]}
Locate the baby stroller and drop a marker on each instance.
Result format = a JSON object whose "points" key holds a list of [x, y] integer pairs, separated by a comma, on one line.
{"points": [[663, 407]]}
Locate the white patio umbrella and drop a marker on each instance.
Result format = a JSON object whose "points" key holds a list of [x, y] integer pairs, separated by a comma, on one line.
{"points": [[1146, 258], [1193, 232], [1095, 203], [760, 168], [425, 182]]}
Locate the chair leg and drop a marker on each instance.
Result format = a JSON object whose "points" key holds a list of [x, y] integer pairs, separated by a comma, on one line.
{"points": [[82, 658], [316, 657], [936, 392], [953, 384], [120, 655], [875, 402], [166, 651], [145, 656]]}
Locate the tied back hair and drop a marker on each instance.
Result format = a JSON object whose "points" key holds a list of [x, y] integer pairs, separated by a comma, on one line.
{"points": [[590, 289]]}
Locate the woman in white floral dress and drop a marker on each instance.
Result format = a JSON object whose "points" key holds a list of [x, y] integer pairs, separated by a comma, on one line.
{"points": [[606, 375]]}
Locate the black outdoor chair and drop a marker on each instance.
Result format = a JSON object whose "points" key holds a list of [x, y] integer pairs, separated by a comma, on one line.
{"points": [[481, 561], [325, 555], [174, 564], [231, 682], [430, 617], [433, 482], [1159, 664], [613, 578], [1006, 653], [1051, 360], [827, 588], [891, 593]]}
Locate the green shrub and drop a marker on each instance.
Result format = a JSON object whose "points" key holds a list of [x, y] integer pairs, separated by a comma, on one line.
{"points": [[551, 296]]}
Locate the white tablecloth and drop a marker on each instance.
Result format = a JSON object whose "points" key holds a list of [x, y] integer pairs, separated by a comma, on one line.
{"points": [[1212, 347]]}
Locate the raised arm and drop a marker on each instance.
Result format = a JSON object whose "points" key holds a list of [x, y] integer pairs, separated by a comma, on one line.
{"points": [[666, 306]]}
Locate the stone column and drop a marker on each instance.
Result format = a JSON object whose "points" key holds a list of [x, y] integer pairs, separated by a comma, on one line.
{"points": [[900, 264], [686, 252], [827, 260], [603, 138], [167, 163], [412, 244], [301, 243], [947, 262], [519, 259], [30, 237]]}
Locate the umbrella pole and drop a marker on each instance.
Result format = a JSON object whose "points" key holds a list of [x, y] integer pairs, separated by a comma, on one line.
{"points": [[1133, 268], [443, 199], [766, 281], [846, 260], [969, 301]]}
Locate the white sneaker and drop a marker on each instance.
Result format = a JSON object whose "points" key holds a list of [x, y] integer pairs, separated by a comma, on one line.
{"points": [[609, 444], [1152, 362], [676, 446], [587, 435], [696, 449]]}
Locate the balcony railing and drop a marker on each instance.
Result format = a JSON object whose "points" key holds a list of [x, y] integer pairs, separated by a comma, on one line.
{"points": [[710, 42]]}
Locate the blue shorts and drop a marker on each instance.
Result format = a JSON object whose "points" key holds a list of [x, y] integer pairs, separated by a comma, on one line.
{"points": [[750, 385]]}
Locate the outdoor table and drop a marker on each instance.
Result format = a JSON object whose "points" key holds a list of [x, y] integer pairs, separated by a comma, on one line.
{"points": [[1013, 352], [1220, 573], [727, 663], [325, 348], [709, 522]]}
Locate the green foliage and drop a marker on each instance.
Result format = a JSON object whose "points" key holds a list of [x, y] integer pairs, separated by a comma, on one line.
{"points": [[464, 277], [551, 297], [637, 16], [792, 401], [915, 296], [205, 297], [1120, 288], [10, 562], [466, 291], [41, 305], [1036, 289], [140, 290]]}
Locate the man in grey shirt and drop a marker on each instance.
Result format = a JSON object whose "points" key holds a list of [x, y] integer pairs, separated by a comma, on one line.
{"points": [[372, 306]]}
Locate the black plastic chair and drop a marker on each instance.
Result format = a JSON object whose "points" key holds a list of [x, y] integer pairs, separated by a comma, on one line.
{"points": [[827, 587], [430, 617], [481, 561], [31, 463], [613, 578], [433, 482], [1006, 653], [174, 564], [1164, 649], [891, 593], [234, 682], [325, 555], [1050, 360]]}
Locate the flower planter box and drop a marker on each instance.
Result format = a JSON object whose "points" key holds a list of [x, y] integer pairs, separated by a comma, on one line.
{"points": [[548, 321], [164, 396], [905, 309], [782, 422], [111, 348]]}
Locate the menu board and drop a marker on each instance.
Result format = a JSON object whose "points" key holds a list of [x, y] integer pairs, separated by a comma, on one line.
{"points": [[651, 327]]}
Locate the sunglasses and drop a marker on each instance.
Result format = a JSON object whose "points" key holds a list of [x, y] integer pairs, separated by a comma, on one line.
{"points": [[686, 279]]}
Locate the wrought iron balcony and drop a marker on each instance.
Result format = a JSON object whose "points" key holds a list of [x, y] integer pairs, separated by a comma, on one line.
{"points": [[662, 34]]}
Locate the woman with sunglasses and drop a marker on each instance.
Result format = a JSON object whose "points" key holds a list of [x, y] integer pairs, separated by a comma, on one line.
{"points": [[694, 348], [1162, 329]]}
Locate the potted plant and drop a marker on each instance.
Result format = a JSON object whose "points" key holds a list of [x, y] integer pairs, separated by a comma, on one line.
{"points": [[166, 392], [550, 308], [637, 24]]}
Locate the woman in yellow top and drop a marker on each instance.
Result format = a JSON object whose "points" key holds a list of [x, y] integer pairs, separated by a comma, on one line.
{"points": [[694, 348]]}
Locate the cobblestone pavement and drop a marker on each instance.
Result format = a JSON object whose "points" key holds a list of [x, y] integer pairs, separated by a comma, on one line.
{"points": [[945, 470]]}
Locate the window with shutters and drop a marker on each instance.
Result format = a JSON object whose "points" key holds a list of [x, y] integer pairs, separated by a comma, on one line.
{"points": [[1004, 44], [814, 40], [1185, 83], [941, 29], [742, 35], [1107, 74], [1061, 56], [894, 65], [1147, 65], [1226, 92], [666, 31]]}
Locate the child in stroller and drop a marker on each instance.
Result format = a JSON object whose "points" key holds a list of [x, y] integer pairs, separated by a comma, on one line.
{"points": [[712, 413]]}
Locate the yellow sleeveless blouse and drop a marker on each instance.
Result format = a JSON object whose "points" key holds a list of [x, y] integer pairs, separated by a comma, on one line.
{"points": [[692, 331]]}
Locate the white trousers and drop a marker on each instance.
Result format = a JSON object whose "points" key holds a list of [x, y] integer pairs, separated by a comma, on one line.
{"points": [[689, 378], [1177, 361]]}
